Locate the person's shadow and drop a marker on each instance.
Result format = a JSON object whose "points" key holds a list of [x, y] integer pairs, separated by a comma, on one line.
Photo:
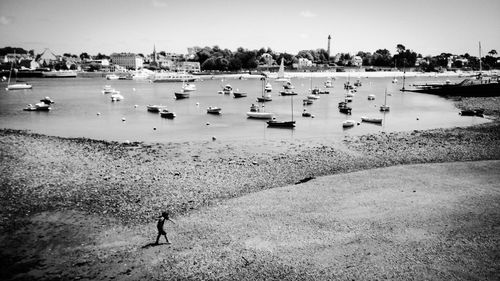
{"points": [[151, 245]]}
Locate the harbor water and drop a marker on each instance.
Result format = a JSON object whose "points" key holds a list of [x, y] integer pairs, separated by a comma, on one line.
{"points": [[82, 110]]}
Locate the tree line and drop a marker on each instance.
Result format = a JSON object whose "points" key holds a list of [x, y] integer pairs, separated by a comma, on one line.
{"points": [[216, 58]]}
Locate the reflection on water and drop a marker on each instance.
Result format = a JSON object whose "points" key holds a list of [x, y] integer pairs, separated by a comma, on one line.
{"points": [[82, 110]]}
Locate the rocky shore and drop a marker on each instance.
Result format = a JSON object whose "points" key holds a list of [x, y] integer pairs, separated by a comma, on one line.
{"points": [[131, 183]]}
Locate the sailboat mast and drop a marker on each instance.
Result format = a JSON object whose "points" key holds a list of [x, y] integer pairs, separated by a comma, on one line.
{"points": [[291, 99], [11, 66]]}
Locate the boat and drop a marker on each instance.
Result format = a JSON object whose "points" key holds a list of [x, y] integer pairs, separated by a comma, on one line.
{"points": [[472, 112], [112, 77], [283, 124], [181, 95], [116, 97], [259, 113], [394, 81], [329, 83], [466, 88], [47, 100], [266, 96], [357, 83], [305, 113], [164, 113], [343, 108], [143, 74], [268, 87], [385, 107], [155, 108], [288, 93], [281, 73], [307, 101], [371, 120], [59, 74], [187, 87], [172, 77], [40, 106], [17, 86], [214, 110], [109, 90], [348, 123], [314, 95], [238, 94], [227, 90], [371, 97], [287, 85]]}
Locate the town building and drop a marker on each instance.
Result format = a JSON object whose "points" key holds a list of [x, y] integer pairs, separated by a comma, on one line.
{"points": [[127, 60]]}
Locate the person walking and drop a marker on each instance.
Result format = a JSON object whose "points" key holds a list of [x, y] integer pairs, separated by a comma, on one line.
{"points": [[160, 225]]}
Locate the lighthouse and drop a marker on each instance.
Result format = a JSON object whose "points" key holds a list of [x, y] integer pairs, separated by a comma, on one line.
{"points": [[328, 50]]}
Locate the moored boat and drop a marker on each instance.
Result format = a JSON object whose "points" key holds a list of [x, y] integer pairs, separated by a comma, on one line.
{"points": [[173, 77], [348, 123], [59, 74], [155, 108], [164, 113], [40, 106], [181, 95], [116, 97], [371, 119], [214, 110], [238, 94]]}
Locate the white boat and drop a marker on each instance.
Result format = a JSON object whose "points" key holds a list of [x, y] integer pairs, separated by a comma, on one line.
{"points": [[371, 97], [307, 101], [109, 90], [268, 88], [167, 114], [187, 87], [116, 97], [287, 85], [348, 123], [371, 120], [281, 73], [155, 108], [112, 77], [214, 110], [394, 80], [385, 107], [259, 113], [173, 77], [41, 106], [17, 86], [142, 74], [328, 83], [59, 74], [227, 90]]}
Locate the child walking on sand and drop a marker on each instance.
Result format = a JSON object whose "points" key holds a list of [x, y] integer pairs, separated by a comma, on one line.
{"points": [[161, 231]]}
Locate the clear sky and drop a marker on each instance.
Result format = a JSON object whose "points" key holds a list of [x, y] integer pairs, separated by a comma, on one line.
{"points": [[429, 27]]}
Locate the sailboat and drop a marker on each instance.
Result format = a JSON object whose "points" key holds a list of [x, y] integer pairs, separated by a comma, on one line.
{"points": [[17, 86], [385, 107], [282, 124], [281, 73], [266, 96]]}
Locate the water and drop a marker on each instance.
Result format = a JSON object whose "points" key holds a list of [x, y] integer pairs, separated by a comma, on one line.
{"points": [[81, 110]]}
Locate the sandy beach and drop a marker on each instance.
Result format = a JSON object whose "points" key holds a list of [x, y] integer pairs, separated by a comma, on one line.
{"points": [[399, 206]]}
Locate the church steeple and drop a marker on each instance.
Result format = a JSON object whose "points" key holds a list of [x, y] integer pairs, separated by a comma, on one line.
{"points": [[154, 53]]}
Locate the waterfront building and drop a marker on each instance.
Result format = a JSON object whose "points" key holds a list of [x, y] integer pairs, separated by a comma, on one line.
{"points": [[127, 60]]}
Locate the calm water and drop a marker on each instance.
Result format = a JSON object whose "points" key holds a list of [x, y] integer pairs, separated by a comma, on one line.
{"points": [[79, 100]]}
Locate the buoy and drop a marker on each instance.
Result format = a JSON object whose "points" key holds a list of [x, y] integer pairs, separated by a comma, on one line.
{"points": [[154, 128], [123, 119], [214, 138], [98, 113], [312, 116], [417, 118], [208, 123], [133, 89], [135, 106], [197, 104]]}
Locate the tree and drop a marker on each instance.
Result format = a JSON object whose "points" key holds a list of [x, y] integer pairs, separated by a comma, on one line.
{"points": [[382, 57], [492, 53], [84, 56]]}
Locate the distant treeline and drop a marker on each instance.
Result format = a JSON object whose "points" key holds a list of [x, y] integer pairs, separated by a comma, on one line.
{"points": [[215, 58]]}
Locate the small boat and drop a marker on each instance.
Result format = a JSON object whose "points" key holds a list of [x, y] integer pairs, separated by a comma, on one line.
{"points": [[259, 113], [305, 113], [394, 81], [307, 101], [155, 108], [188, 87], [371, 97], [281, 124], [343, 108], [472, 112], [47, 100], [170, 76], [288, 93], [112, 77], [238, 94], [227, 90], [214, 110], [357, 83], [109, 90], [181, 95], [17, 86], [41, 106], [287, 85], [167, 114], [281, 73], [385, 107], [348, 123], [116, 97], [328, 83], [371, 120], [268, 88]]}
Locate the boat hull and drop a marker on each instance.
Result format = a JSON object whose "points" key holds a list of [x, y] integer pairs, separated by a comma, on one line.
{"points": [[181, 95], [281, 124], [19, 87], [260, 115], [466, 88]]}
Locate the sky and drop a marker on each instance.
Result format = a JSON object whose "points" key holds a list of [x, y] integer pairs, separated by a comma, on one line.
{"points": [[427, 27]]}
